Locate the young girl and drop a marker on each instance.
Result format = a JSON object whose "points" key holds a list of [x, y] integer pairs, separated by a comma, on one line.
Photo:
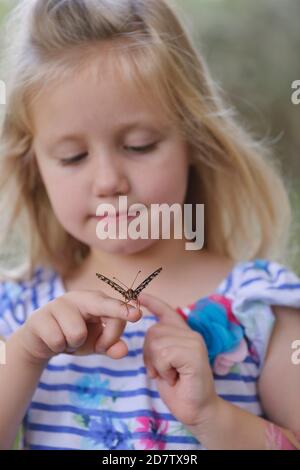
{"points": [[108, 99]]}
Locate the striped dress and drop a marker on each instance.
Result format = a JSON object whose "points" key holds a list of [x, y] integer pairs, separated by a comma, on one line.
{"points": [[95, 402]]}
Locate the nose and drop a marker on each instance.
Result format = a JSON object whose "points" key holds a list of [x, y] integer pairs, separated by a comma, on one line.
{"points": [[109, 176]]}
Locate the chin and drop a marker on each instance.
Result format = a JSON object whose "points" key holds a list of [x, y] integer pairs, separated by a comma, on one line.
{"points": [[124, 247]]}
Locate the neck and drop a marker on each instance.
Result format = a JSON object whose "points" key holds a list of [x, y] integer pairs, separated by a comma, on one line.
{"points": [[168, 253]]}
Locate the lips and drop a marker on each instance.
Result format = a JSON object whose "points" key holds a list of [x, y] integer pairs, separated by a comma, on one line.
{"points": [[117, 215]]}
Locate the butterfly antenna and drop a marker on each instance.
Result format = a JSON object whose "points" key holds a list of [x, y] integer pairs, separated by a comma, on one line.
{"points": [[120, 282], [135, 278]]}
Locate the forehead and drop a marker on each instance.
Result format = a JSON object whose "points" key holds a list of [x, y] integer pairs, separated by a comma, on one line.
{"points": [[102, 91]]}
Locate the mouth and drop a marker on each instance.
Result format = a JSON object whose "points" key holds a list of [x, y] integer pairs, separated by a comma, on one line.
{"points": [[115, 216]]}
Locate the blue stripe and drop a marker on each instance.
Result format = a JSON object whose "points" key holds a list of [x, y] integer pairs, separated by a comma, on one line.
{"points": [[127, 393], [240, 398], [135, 352], [285, 287], [107, 413], [39, 447], [264, 281], [119, 393], [134, 435], [139, 371], [235, 377], [251, 360], [150, 318], [251, 281], [51, 293], [98, 390], [140, 334], [19, 305], [98, 370], [36, 282], [281, 271], [19, 319]]}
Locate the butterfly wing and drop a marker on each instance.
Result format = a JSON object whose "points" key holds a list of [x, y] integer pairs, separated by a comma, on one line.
{"points": [[146, 281], [113, 284]]}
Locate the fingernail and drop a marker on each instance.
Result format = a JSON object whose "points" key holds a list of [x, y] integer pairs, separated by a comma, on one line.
{"points": [[131, 309]]}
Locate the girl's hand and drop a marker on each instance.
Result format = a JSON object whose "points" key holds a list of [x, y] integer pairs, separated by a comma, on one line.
{"points": [[79, 322], [177, 357]]}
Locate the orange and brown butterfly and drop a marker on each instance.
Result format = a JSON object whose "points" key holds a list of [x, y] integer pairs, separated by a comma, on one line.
{"points": [[129, 294]]}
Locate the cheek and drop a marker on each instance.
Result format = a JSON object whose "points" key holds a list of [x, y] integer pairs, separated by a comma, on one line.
{"points": [[166, 183], [67, 203]]}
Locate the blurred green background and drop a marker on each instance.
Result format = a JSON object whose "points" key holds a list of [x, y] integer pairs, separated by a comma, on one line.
{"points": [[252, 48]]}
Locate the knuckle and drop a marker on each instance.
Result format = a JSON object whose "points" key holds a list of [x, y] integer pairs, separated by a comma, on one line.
{"points": [[77, 338], [165, 352], [57, 344]]}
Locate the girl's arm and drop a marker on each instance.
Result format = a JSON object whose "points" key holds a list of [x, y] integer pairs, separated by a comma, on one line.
{"points": [[228, 427], [18, 380]]}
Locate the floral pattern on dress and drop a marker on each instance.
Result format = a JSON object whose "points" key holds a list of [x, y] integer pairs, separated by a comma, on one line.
{"points": [[90, 391], [107, 433], [222, 332], [157, 427]]}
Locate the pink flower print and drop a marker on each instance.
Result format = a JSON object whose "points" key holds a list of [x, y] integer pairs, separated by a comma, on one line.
{"points": [[156, 427], [225, 361]]}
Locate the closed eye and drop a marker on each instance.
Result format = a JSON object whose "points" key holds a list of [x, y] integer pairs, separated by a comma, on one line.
{"points": [[144, 149], [81, 156], [75, 159]]}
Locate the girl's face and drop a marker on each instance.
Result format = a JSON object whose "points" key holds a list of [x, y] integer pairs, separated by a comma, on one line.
{"points": [[85, 134]]}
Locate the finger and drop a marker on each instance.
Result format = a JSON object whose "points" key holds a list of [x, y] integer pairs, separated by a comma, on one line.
{"points": [[91, 303], [49, 332], [160, 367], [173, 358], [161, 330], [154, 350], [152, 372], [111, 334], [118, 350], [72, 325], [161, 310]]}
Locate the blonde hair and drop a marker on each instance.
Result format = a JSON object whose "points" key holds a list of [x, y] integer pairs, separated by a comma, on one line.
{"points": [[247, 210]]}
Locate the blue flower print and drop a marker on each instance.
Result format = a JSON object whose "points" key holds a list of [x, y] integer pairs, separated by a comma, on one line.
{"points": [[104, 435], [210, 318], [90, 391]]}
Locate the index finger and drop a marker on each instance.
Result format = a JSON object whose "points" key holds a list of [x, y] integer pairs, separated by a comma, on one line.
{"points": [[163, 311], [95, 304]]}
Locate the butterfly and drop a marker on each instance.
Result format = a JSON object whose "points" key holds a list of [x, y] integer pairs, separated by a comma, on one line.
{"points": [[129, 294]]}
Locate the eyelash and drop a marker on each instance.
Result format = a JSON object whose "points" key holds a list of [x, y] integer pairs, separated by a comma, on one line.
{"points": [[78, 158]]}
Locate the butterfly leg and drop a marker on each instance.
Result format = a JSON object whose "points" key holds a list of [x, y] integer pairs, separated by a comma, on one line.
{"points": [[126, 303]]}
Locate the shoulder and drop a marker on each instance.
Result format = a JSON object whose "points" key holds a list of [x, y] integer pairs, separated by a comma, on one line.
{"points": [[264, 281], [19, 298], [259, 291]]}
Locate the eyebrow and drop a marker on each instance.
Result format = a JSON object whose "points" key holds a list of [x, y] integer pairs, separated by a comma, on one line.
{"points": [[121, 128]]}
